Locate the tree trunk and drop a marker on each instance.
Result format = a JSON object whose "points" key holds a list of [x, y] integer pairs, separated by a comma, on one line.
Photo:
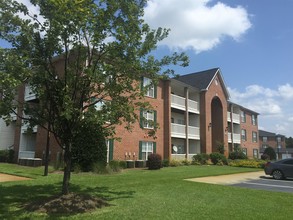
{"points": [[47, 153], [67, 169]]}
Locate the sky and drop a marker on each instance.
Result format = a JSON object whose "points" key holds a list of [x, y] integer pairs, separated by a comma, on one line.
{"points": [[251, 41]]}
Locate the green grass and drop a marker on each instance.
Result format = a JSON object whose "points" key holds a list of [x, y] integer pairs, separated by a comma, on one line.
{"points": [[144, 194]]}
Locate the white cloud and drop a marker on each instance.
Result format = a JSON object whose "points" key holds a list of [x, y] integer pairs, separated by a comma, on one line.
{"points": [[274, 106], [196, 24]]}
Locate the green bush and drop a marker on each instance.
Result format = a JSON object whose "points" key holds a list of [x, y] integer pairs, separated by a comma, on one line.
{"points": [[200, 159], [166, 163], [6, 156], [270, 152], [88, 153], [253, 163], [186, 162], [218, 159], [175, 163], [122, 164], [154, 161], [237, 154]]}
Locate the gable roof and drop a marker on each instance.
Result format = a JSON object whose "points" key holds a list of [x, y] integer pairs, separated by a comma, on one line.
{"points": [[202, 80]]}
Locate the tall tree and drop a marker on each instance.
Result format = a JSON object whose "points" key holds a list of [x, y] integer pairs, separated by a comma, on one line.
{"points": [[75, 54], [289, 142]]}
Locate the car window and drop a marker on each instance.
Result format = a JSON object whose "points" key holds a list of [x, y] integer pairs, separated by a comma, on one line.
{"points": [[289, 162]]}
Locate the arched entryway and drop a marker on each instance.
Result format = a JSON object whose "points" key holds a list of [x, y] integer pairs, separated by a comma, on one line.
{"points": [[217, 123]]}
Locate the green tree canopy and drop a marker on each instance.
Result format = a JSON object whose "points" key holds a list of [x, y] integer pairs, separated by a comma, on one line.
{"points": [[289, 142], [75, 54]]}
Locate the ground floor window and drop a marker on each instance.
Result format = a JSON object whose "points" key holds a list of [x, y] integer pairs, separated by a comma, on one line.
{"points": [[146, 148], [244, 150], [255, 153]]}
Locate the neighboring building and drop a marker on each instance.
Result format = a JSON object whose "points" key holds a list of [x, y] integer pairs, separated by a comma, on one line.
{"points": [[7, 133], [276, 141], [194, 116]]}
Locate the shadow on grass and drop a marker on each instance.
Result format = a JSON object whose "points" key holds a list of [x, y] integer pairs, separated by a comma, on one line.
{"points": [[14, 198]]}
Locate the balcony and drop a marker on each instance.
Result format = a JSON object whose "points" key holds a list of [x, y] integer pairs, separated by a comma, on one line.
{"points": [[29, 94], [178, 102], [178, 131], [24, 128], [235, 117], [236, 138]]}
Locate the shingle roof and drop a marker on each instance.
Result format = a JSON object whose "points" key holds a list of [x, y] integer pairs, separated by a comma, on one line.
{"points": [[268, 134], [200, 80]]}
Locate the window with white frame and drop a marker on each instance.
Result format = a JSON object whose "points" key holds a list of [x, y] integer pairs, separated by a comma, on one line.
{"points": [[146, 149], [150, 88], [254, 136], [244, 150], [255, 153], [243, 134], [149, 117], [264, 139], [253, 119], [243, 117]]}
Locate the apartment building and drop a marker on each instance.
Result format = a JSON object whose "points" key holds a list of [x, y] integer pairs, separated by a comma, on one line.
{"points": [[276, 141], [194, 116]]}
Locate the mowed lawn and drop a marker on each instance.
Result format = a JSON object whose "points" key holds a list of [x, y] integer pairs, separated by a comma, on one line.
{"points": [[144, 194]]}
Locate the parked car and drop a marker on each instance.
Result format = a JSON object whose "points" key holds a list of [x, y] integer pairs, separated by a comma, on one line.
{"points": [[280, 169]]}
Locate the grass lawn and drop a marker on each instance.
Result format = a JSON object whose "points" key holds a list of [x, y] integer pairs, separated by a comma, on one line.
{"points": [[144, 194]]}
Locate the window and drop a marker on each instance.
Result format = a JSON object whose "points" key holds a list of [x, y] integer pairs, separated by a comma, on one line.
{"points": [[279, 139], [244, 150], [180, 121], [243, 117], [148, 118], [243, 134], [99, 105], [264, 139], [146, 148], [150, 88], [254, 136], [253, 119], [110, 150], [255, 153]]}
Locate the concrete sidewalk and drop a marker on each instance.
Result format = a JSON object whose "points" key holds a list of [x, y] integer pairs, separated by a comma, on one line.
{"points": [[229, 179], [8, 178]]}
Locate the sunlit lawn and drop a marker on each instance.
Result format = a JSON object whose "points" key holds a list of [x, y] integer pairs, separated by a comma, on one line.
{"points": [[144, 194]]}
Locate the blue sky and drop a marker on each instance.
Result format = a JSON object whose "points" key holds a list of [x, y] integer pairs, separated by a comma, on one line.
{"points": [[251, 41], [254, 50]]}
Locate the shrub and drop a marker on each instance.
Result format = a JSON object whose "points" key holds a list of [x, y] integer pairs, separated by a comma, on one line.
{"points": [[265, 157], [122, 164], [154, 161], [186, 162], [88, 153], [200, 159], [100, 168], [237, 154], [248, 163], [270, 152], [175, 163], [166, 163], [218, 158], [220, 148]]}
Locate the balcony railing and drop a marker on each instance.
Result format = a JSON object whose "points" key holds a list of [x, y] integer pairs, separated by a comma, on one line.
{"points": [[235, 117], [178, 131], [236, 138], [178, 102], [26, 154], [29, 94], [24, 128]]}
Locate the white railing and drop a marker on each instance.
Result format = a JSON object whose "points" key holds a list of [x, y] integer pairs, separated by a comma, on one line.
{"points": [[193, 106], [236, 138], [29, 94], [178, 130], [193, 132], [177, 102], [24, 128], [235, 117], [26, 154]]}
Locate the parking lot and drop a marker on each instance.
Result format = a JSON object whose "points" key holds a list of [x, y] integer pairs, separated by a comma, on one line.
{"points": [[268, 183], [252, 180]]}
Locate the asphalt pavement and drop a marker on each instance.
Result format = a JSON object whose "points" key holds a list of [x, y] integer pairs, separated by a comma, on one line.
{"points": [[253, 180]]}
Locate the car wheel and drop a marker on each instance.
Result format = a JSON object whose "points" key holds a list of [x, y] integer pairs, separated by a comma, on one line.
{"points": [[278, 175]]}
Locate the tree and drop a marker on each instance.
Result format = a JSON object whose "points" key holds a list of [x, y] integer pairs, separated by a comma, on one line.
{"points": [[289, 142], [270, 152], [75, 54]]}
